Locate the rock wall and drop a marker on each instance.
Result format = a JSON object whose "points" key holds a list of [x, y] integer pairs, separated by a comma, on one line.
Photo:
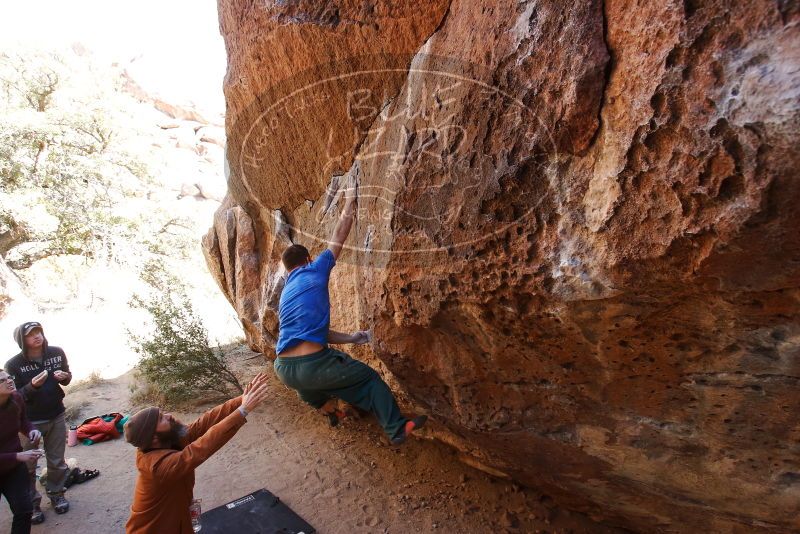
{"points": [[577, 243]]}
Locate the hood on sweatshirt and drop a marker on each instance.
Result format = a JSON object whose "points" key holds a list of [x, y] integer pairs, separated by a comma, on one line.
{"points": [[23, 330]]}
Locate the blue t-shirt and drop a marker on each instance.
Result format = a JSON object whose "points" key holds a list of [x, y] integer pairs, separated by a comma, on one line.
{"points": [[304, 312]]}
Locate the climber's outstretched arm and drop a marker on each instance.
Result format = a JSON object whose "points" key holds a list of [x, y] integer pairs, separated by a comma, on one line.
{"points": [[342, 229]]}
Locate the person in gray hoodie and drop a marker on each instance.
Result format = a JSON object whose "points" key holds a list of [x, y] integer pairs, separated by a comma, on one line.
{"points": [[39, 372]]}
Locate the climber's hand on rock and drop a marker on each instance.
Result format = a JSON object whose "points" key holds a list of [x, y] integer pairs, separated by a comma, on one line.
{"points": [[346, 219], [361, 337], [350, 204], [351, 190]]}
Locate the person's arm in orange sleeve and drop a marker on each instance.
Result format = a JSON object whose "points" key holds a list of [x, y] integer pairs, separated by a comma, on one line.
{"points": [[179, 464], [211, 418]]}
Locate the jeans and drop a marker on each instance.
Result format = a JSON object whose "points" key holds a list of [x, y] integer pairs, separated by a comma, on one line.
{"points": [[330, 373], [14, 487], [54, 442]]}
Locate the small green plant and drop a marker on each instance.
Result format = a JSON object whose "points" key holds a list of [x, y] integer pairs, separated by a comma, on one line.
{"points": [[178, 364]]}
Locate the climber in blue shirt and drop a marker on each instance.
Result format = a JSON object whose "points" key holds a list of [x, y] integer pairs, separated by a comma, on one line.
{"points": [[306, 363]]}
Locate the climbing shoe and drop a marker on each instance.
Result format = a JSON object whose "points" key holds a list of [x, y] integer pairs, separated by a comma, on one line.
{"points": [[60, 504], [38, 516], [335, 416], [410, 426]]}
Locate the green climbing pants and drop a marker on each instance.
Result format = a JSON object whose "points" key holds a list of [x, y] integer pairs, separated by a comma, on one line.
{"points": [[330, 373]]}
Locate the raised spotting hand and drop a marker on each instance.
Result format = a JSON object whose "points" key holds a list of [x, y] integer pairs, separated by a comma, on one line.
{"points": [[255, 392]]}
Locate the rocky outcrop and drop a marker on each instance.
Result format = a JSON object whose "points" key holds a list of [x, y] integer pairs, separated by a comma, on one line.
{"points": [[577, 240], [132, 87]]}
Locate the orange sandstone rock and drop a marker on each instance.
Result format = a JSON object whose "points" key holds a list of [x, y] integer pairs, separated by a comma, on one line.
{"points": [[577, 242]]}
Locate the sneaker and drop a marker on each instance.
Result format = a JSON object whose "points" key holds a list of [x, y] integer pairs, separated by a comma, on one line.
{"points": [[60, 504], [410, 426], [38, 516]]}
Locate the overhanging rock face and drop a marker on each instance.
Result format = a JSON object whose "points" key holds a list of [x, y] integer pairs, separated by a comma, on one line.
{"points": [[577, 243]]}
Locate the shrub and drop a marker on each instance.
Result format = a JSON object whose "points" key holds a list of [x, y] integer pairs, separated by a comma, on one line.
{"points": [[177, 362]]}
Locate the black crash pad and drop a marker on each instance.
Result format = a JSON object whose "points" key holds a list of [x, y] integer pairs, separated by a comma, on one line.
{"points": [[261, 512]]}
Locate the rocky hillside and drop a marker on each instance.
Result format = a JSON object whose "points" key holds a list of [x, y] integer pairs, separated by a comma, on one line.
{"points": [[577, 240]]}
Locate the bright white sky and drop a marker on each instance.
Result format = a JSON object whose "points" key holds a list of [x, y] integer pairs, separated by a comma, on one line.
{"points": [[175, 45]]}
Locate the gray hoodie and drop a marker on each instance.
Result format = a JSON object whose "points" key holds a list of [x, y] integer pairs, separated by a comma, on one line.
{"points": [[47, 401]]}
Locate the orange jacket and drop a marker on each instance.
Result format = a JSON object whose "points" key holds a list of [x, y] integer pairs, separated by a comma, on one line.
{"points": [[165, 483], [98, 429]]}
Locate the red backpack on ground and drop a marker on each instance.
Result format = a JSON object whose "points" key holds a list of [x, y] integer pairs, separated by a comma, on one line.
{"points": [[98, 429]]}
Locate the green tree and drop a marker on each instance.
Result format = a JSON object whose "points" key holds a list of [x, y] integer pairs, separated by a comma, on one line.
{"points": [[177, 360], [68, 178]]}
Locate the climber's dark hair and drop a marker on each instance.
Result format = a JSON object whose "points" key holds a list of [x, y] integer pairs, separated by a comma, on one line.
{"points": [[295, 256]]}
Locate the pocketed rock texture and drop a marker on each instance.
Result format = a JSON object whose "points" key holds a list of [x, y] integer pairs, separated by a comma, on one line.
{"points": [[577, 244]]}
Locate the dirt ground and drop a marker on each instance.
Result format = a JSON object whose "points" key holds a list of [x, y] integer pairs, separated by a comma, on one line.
{"points": [[340, 480]]}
